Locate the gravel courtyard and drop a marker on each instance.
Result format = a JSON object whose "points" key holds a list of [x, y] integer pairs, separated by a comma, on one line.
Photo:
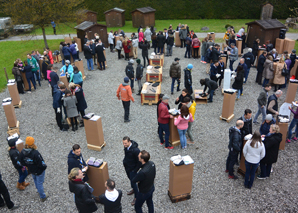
{"points": [[212, 190]]}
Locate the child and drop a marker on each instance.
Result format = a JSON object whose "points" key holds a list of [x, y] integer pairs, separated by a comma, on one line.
{"points": [[76, 77], [192, 110], [70, 102], [79, 93], [139, 75], [182, 124], [49, 70]]}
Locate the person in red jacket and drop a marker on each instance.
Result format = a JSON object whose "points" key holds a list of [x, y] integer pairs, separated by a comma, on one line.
{"points": [[163, 121], [50, 54], [124, 90]]}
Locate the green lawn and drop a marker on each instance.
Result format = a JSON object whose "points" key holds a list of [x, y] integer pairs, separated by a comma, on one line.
{"points": [[215, 25], [11, 50]]}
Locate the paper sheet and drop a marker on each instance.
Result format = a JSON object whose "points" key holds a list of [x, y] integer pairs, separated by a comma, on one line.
{"points": [[284, 109], [187, 160], [95, 118]]}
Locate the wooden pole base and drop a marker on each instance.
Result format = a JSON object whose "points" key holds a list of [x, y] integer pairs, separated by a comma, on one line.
{"points": [[13, 130], [179, 198], [96, 148], [227, 119], [175, 143], [18, 105]]}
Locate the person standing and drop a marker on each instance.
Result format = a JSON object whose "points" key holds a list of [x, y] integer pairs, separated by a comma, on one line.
{"points": [[32, 159], [268, 70], [5, 196], [293, 123], [188, 78], [235, 141], [179, 100], [61, 52], [145, 46], [163, 121], [100, 54], [57, 104], [126, 46], [214, 71], [161, 40], [204, 50], [247, 126], [272, 104], [29, 76], [18, 78], [188, 42], [196, 46], [75, 160], [293, 57], [77, 90], [50, 54], [73, 51], [191, 104], [148, 34], [119, 47], [141, 35], [92, 47], [69, 102], [265, 127], [254, 152], [238, 83], [262, 103], [271, 142], [34, 67], [124, 90], [139, 75], [220, 70], [211, 85], [249, 60], [88, 56], [111, 199], [175, 74], [135, 45], [66, 52], [131, 164], [54, 27], [76, 77], [130, 73], [279, 80], [170, 43], [182, 35], [145, 179], [260, 67], [233, 54], [111, 40]]}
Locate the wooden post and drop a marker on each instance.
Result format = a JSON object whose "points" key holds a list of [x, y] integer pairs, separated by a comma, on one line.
{"points": [[6, 74]]}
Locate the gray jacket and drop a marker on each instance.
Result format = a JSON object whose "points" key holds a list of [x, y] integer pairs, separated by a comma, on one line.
{"points": [[70, 104], [268, 69], [183, 33], [135, 42], [147, 34], [234, 54], [118, 45]]}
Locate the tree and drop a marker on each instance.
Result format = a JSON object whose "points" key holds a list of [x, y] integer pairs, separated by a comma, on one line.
{"points": [[294, 10], [40, 13]]}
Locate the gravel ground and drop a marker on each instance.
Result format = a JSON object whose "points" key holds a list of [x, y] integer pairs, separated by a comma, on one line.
{"points": [[212, 190]]}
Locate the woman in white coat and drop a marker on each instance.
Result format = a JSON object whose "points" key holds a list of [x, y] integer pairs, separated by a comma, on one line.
{"points": [[111, 40]]}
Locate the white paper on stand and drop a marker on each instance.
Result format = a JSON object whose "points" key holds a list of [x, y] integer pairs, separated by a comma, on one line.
{"points": [[95, 118], [284, 109], [227, 79], [187, 160]]}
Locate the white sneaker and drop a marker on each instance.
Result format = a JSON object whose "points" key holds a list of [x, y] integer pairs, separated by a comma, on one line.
{"points": [[29, 92]]}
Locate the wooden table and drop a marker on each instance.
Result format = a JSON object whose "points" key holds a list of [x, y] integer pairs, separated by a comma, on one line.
{"points": [[154, 75], [198, 98], [97, 178], [148, 96], [157, 60]]}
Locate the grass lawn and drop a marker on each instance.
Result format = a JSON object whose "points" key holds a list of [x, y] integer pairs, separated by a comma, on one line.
{"points": [[11, 50], [215, 25]]}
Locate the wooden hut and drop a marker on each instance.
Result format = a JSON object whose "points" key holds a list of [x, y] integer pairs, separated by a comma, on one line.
{"points": [[144, 16], [115, 17], [86, 15], [268, 29], [89, 28]]}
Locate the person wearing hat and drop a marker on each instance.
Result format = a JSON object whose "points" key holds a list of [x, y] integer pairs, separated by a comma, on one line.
{"points": [[293, 58], [67, 69], [139, 75], [175, 74], [124, 90], [163, 121], [130, 73], [14, 155], [76, 77], [264, 129], [188, 78], [32, 159]]}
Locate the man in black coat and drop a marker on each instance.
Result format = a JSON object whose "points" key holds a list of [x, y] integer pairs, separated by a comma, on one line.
{"points": [[111, 199], [249, 60], [170, 43], [235, 141], [100, 55], [131, 163], [262, 103], [260, 67], [139, 75], [130, 73], [145, 46], [211, 85], [293, 58], [188, 78], [161, 40], [88, 56], [4, 196], [75, 159], [215, 52]]}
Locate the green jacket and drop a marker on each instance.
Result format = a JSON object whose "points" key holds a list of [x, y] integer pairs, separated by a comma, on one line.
{"points": [[33, 63]]}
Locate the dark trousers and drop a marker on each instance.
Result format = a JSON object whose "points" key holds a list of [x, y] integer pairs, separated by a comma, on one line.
{"points": [[67, 57], [265, 169], [231, 160], [54, 29], [59, 118], [111, 47], [131, 175], [74, 57], [144, 58], [173, 83], [219, 81], [102, 65], [22, 175], [20, 87], [259, 78], [266, 81], [231, 65], [187, 51], [73, 122], [94, 59], [131, 83], [211, 95], [126, 105], [5, 195], [119, 54], [164, 128], [82, 112], [251, 169], [36, 74], [29, 80], [127, 56], [141, 198], [189, 89], [182, 42], [196, 52], [160, 49]]}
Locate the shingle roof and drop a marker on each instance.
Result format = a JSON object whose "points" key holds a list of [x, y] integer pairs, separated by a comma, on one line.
{"points": [[145, 10], [115, 9], [268, 24], [86, 25]]}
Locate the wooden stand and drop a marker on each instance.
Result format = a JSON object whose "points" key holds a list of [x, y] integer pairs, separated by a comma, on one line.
{"points": [[193, 52], [94, 133], [228, 107], [260, 51], [212, 35], [224, 59], [80, 66], [177, 39], [14, 94], [150, 97], [13, 130], [294, 69], [153, 76], [180, 182], [289, 44], [10, 115], [239, 46], [241, 170], [284, 131], [279, 45], [198, 98], [26, 85], [291, 93], [97, 178], [68, 40], [64, 80], [174, 138], [18, 105], [158, 60]]}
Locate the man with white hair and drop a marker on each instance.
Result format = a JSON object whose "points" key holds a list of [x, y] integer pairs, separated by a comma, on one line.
{"points": [[274, 53], [272, 104], [249, 60]]}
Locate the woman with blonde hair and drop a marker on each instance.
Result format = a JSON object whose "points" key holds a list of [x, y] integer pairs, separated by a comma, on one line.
{"points": [[279, 79], [271, 142], [126, 46], [85, 201]]}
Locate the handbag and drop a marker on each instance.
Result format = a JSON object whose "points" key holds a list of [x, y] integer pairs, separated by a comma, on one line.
{"points": [[284, 71]]}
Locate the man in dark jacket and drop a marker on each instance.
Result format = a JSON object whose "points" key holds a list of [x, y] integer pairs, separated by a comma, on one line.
{"points": [[161, 40], [214, 71], [145, 46], [88, 56], [247, 127], [54, 78], [293, 59], [215, 52], [272, 104], [265, 127], [92, 47], [139, 75], [260, 67], [131, 163], [187, 46], [99, 50], [249, 60], [145, 179], [262, 103], [130, 73], [175, 74], [32, 159], [111, 199], [57, 104], [235, 141], [75, 159], [211, 85], [188, 78], [4, 196], [170, 43]]}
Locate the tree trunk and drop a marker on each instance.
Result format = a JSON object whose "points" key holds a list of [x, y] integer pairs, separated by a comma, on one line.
{"points": [[44, 37]]}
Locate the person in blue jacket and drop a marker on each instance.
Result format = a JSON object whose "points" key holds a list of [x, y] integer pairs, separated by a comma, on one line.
{"points": [[264, 129], [213, 71], [73, 51], [57, 104], [66, 52], [67, 69], [76, 77]]}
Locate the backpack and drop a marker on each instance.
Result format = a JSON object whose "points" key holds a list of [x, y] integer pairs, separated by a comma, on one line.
{"points": [[209, 54], [187, 42]]}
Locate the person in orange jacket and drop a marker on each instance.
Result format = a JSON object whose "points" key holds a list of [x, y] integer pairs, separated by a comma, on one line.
{"points": [[124, 91]]}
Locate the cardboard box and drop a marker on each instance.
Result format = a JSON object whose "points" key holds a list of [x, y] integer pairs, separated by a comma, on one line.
{"points": [[180, 180], [294, 69], [80, 66], [289, 45], [94, 133], [174, 138], [153, 76], [228, 105], [79, 43], [198, 99], [20, 145], [14, 94], [239, 46], [68, 40], [279, 45], [260, 51], [242, 168], [149, 97], [157, 60], [177, 39], [212, 35], [291, 93], [131, 51], [64, 80], [284, 131], [10, 114], [97, 178]]}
